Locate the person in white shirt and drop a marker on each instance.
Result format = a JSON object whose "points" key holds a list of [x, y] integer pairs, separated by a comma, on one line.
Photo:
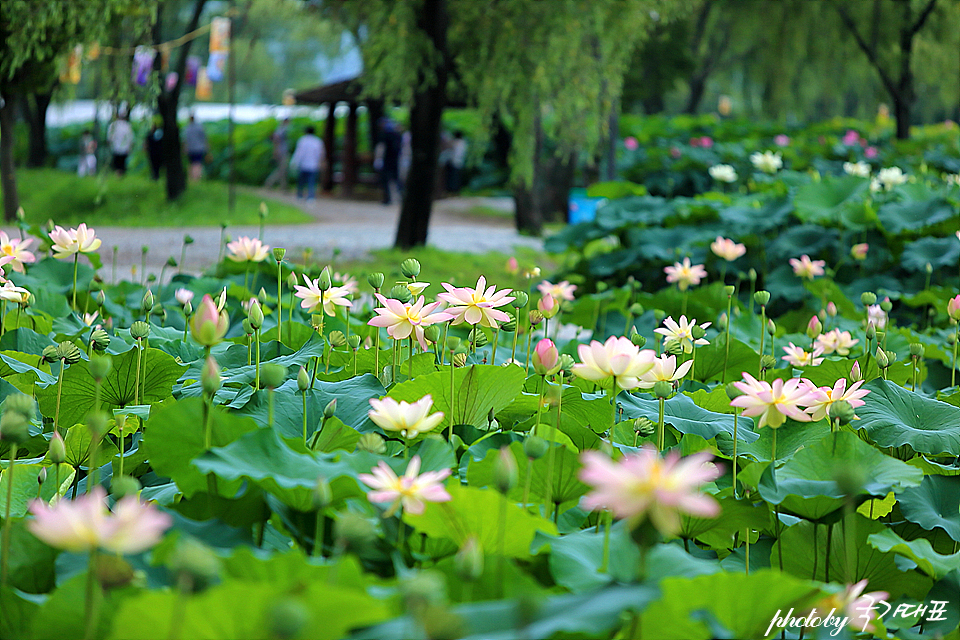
{"points": [[308, 158], [120, 137]]}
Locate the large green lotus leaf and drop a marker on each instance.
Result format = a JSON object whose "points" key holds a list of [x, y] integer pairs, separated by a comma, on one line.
{"points": [[243, 610], [262, 457], [24, 340], [476, 512], [31, 562], [13, 362], [477, 390], [686, 417], [736, 516], [934, 504], [913, 215], [823, 202], [894, 416], [710, 360], [919, 551], [615, 189], [937, 252], [287, 410], [18, 611], [62, 615], [791, 436], [234, 363], [77, 443], [749, 219], [593, 413], [158, 372], [590, 615], [25, 485], [828, 372], [805, 555], [743, 604], [807, 484], [174, 436], [566, 485], [801, 239]]}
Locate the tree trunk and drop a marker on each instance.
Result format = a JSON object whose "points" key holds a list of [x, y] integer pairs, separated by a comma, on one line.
{"points": [[8, 176], [425, 120], [698, 86], [528, 198], [35, 109]]}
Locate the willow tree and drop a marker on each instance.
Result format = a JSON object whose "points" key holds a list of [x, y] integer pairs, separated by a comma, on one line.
{"points": [[549, 70]]}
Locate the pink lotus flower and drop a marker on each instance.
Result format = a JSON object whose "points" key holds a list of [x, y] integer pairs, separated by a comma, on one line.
{"points": [[476, 306], [16, 250], [348, 282], [9, 292], [877, 316], [800, 358], [821, 398], [953, 308], [807, 268], [85, 524], [831, 309], [617, 359], [851, 137], [208, 326], [245, 249], [409, 419], [727, 249], [67, 243], [681, 333], [870, 152], [773, 403], [183, 296], [684, 274], [513, 267], [315, 299], [836, 341], [631, 143], [646, 486], [561, 291], [412, 491], [675, 153], [665, 369], [859, 251], [781, 140], [545, 358], [706, 142], [859, 607], [401, 319], [547, 305]]}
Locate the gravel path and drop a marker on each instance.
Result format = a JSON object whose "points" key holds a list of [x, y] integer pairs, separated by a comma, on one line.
{"points": [[347, 229]]}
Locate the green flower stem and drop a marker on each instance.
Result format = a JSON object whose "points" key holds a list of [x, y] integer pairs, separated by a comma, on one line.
{"points": [[319, 534], [763, 331], [693, 362], [453, 401], [683, 302], [606, 516], [953, 368], [279, 302], [536, 422], [136, 386], [5, 551], [747, 555], [304, 396], [526, 364], [92, 600], [76, 262], [256, 337], [613, 399], [502, 542], [246, 278], [316, 365], [736, 416], [526, 484], [293, 301], [410, 360], [56, 415], [660, 429], [496, 338], [396, 359], [516, 334], [186, 324], [93, 469], [270, 401], [120, 425]]}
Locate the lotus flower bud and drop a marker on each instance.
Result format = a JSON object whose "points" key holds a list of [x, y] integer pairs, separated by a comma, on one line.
{"points": [[885, 305], [324, 282], [272, 374], [882, 360], [431, 334], [337, 339], [505, 472], [761, 297], [99, 367], [147, 303], [602, 286], [97, 423], [535, 317], [831, 309], [453, 343], [662, 389], [871, 331], [732, 391], [855, 375], [469, 560], [303, 380], [372, 443], [459, 359], [279, 253], [547, 305], [195, 564], [255, 314], [723, 321], [14, 427], [478, 337], [49, 353], [566, 363], [951, 339], [953, 308], [644, 426], [730, 290], [842, 411], [814, 327], [262, 296], [188, 308], [330, 409], [292, 281], [208, 326], [771, 327], [868, 298], [57, 451], [520, 299], [545, 358], [636, 309], [410, 268], [322, 494], [353, 531], [928, 268], [68, 352], [535, 447], [210, 377], [375, 280], [401, 293], [247, 328], [124, 486]]}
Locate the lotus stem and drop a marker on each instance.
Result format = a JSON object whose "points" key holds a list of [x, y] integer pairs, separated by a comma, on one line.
{"points": [[76, 261], [5, 552], [953, 367], [606, 516], [56, 415], [279, 302], [92, 599], [304, 396], [736, 416], [763, 331], [660, 427]]}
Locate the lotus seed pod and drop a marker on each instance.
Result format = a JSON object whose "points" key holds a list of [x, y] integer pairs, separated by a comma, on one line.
{"points": [[868, 298], [636, 309], [69, 352], [100, 339], [57, 450], [891, 356], [469, 560], [673, 347], [113, 572], [882, 360], [262, 296], [659, 315], [566, 363], [147, 303], [187, 240], [14, 427], [272, 374], [459, 359], [951, 339], [842, 410], [97, 423], [330, 409], [353, 531], [880, 335], [505, 473], [510, 325], [431, 334], [662, 389], [322, 494], [602, 286], [194, 563], [730, 290], [354, 340], [520, 299], [49, 353], [453, 343], [337, 339], [402, 293], [535, 317], [255, 314], [279, 253], [372, 443], [916, 350], [139, 330], [644, 426], [478, 337], [324, 282], [886, 306], [287, 619], [375, 280], [535, 447], [637, 339], [100, 366], [767, 362], [124, 486], [697, 332], [410, 268], [761, 297], [303, 380], [210, 377], [732, 391]]}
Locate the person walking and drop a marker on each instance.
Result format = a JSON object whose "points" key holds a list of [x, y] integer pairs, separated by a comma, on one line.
{"points": [[88, 155], [281, 152], [153, 146], [195, 145], [387, 158], [308, 159], [455, 163], [120, 137]]}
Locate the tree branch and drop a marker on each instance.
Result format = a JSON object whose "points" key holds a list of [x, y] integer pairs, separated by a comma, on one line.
{"points": [[923, 17], [869, 51]]}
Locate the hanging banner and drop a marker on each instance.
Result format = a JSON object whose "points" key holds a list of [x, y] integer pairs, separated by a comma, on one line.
{"points": [[172, 78], [143, 65], [204, 86], [216, 66], [74, 64], [193, 65], [164, 60], [220, 35], [93, 51]]}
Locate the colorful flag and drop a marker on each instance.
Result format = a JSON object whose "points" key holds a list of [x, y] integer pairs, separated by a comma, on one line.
{"points": [[71, 71], [220, 35], [143, 64], [193, 65], [216, 66], [204, 86]]}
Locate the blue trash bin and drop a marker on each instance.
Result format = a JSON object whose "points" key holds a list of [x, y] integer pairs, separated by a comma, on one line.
{"points": [[582, 208]]}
